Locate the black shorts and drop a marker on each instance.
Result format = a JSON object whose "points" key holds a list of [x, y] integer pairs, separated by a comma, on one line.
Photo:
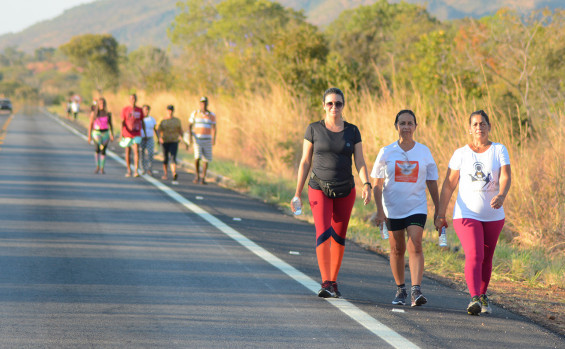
{"points": [[403, 223], [170, 149]]}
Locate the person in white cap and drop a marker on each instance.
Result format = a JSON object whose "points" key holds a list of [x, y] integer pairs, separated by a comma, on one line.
{"points": [[202, 128]]}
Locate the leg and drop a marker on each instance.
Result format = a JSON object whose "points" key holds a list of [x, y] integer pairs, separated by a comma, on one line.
{"points": [[491, 233], [197, 169], [128, 157], [341, 214], [135, 148], [150, 152], [321, 210], [397, 243], [470, 233], [204, 170], [143, 147], [415, 253], [165, 147], [174, 149]]}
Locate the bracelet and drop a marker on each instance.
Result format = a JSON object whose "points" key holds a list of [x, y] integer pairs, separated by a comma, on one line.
{"points": [[370, 186]]}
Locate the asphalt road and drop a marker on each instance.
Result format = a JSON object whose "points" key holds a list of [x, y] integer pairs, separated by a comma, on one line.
{"points": [[91, 260]]}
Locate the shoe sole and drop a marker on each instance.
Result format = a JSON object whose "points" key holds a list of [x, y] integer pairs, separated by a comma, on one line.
{"points": [[474, 309], [421, 300], [326, 294], [485, 310], [398, 303]]}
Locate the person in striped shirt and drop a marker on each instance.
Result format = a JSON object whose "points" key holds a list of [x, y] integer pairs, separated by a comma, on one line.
{"points": [[202, 128]]}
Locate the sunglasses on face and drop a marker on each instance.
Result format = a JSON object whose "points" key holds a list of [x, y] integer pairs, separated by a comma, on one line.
{"points": [[337, 104]]}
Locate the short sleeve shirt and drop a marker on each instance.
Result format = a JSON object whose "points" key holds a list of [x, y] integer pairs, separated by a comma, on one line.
{"points": [[170, 130], [405, 174], [202, 124], [479, 175], [333, 151], [150, 123], [133, 121]]}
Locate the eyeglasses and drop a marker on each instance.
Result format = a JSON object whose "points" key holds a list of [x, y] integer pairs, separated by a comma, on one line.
{"points": [[337, 104]]}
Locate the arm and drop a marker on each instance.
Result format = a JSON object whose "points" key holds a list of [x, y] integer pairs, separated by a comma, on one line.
{"points": [[90, 124], [504, 181], [434, 193], [303, 168], [110, 126], [378, 194], [447, 189], [214, 134], [363, 173]]}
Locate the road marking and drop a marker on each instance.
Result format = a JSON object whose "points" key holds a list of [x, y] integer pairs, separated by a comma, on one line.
{"points": [[5, 128], [361, 317]]}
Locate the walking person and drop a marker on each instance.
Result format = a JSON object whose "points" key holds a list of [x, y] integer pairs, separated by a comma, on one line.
{"points": [[147, 142], [101, 131], [482, 171], [328, 148], [170, 132], [75, 108], [132, 125], [401, 173], [202, 129]]}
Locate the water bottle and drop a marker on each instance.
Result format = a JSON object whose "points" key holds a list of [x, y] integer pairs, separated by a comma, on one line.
{"points": [[384, 231], [442, 238], [297, 205]]}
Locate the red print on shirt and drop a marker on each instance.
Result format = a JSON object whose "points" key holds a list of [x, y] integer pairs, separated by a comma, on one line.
{"points": [[406, 171]]}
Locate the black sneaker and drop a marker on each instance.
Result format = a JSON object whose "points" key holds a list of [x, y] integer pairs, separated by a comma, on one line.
{"points": [[401, 295], [474, 307], [327, 290], [485, 304], [417, 297], [337, 293]]}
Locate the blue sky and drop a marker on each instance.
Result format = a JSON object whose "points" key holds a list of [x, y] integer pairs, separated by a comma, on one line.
{"points": [[20, 14]]}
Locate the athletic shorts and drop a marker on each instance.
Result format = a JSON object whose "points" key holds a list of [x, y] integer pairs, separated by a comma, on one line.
{"points": [[403, 223], [203, 149], [128, 142], [170, 149]]}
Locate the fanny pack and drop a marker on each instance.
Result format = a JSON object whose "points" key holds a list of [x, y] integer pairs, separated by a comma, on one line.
{"points": [[333, 189]]}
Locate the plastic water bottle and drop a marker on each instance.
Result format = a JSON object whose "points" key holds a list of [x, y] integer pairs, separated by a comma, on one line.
{"points": [[442, 238], [384, 231], [297, 205]]}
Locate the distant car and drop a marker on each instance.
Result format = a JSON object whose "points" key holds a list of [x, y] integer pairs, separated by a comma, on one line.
{"points": [[5, 104]]}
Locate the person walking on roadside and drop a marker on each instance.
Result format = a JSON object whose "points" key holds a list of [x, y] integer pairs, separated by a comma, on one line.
{"points": [[147, 141], [132, 125], [170, 131], [202, 130], [401, 173], [328, 148], [100, 130], [482, 170], [75, 108]]}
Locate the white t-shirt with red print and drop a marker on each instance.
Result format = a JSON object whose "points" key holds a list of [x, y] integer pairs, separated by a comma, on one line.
{"points": [[405, 174], [478, 181]]}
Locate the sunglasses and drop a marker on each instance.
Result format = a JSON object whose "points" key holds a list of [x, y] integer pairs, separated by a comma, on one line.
{"points": [[337, 104]]}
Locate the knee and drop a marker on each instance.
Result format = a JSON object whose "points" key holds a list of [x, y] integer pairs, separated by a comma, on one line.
{"points": [[397, 250]]}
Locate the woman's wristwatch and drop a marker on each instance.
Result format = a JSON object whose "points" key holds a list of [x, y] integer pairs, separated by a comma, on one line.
{"points": [[369, 183]]}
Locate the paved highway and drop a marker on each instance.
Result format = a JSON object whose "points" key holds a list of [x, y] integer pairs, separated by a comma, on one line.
{"points": [[105, 261]]}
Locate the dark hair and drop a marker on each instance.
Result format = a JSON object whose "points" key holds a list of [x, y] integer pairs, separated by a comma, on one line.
{"points": [[481, 113], [146, 106], [97, 109], [333, 91], [170, 107], [405, 111]]}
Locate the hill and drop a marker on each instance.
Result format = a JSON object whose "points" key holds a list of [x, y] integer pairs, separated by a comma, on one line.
{"points": [[145, 22]]}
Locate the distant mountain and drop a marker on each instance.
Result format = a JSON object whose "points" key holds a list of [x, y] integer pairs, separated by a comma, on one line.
{"points": [[145, 22]]}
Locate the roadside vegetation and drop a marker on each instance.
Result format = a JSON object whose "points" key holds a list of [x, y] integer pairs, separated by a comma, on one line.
{"points": [[265, 68]]}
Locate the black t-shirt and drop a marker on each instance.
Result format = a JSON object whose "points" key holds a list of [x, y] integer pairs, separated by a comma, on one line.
{"points": [[332, 151]]}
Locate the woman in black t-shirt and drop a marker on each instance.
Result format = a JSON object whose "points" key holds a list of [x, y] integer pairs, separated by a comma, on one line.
{"points": [[328, 147]]}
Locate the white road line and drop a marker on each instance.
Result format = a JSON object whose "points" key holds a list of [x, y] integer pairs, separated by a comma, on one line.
{"points": [[364, 319]]}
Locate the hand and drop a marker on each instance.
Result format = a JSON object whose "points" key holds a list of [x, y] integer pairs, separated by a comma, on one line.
{"points": [[497, 201], [89, 140], [366, 195], [111, 138], [440, 222], [292, 206], [380, 218]]}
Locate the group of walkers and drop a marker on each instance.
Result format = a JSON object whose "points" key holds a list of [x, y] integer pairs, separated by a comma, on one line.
{"points": [[400, 175], [138, 133]]}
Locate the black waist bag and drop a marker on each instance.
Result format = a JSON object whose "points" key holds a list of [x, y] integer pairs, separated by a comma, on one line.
{"points": [[335, 190]]}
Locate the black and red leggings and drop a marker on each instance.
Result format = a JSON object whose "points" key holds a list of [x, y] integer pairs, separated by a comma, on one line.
{"points": [[331, 218]]}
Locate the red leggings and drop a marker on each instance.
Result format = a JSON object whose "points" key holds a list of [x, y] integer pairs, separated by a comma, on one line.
{"points": [[331, 218], [479, 241]]}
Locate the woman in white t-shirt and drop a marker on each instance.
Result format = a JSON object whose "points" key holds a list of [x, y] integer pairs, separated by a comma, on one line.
{"points": [[147, 141], [482, 170], [401, 174]]}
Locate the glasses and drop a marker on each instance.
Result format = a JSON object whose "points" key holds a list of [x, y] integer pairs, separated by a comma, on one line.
{"points": [[337, 104]]}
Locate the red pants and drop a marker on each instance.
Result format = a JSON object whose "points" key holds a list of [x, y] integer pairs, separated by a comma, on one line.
{"points": [[331, 218], [479, 241]]}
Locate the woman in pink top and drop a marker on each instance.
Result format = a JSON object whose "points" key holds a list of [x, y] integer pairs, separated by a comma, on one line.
{"points": [[100, 130]]}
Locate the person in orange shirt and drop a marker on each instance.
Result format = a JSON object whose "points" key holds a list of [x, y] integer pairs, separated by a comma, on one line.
{"points": [[202, 130]]}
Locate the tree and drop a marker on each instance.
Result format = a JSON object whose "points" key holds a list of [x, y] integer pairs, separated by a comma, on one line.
{"points": [[97, 55], [149, 68]]}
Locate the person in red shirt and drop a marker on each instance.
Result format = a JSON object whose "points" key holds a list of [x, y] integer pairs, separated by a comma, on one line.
{"points": [[132, 124]]}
